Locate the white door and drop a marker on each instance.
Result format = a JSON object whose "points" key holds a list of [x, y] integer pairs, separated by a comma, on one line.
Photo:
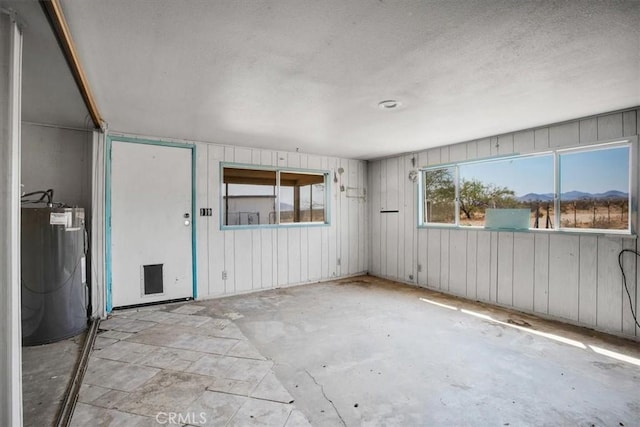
{"points": [[151, 240]]}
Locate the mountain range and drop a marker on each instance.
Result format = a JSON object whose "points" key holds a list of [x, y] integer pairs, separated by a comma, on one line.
{"points": [[573, 195]]}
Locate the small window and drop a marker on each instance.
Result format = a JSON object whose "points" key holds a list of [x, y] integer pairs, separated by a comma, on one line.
{"points": [[253, 197], [301, 197], [594, 189], [249, 197]]}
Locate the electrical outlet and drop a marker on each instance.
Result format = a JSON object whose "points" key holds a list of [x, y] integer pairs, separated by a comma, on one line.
{"points": [[224, 275]]}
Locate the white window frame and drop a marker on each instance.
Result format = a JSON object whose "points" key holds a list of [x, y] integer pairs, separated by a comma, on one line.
{"points": [[278, 171], [630, 142]]}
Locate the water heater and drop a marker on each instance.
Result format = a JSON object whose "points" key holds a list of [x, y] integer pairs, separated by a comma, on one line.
{"points": [[53, 274]]}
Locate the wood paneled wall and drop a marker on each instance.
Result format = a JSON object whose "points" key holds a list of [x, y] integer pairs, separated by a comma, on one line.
{"points": [[262, 258], [572, 277]]}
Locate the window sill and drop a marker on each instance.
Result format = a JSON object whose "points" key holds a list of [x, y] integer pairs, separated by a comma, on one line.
{"points": [[561, 232], [271, 226]]}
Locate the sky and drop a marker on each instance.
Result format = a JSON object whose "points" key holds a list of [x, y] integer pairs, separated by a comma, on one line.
{"points": [[588, 171]]}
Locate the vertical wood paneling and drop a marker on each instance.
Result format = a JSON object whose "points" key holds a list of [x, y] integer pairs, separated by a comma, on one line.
{"points": [[523, 142], [472, 150], [458, 262], [629, 263], [434, 157], [472, 264], [458, 152], [444, 259], [444, 154], [423, 159], [242, 260], [564, 135], [364, 224], [564, 274], [294, 255], [574, 277], [423, 254], [293, 160], [493, 266], [541, 274], [202, 223], [495, 147], [629, 123], [256, 260], [541, 139], [392, 184], [484, 148], [433, 257], [314, 255], [374, 214], [229, 154], [609, 315], [344, 237], [355, 220], [610, 126], [332, 165], [588, 280], [391, 240], [505, 268], [282, 256], [229, 262], [588, 130], [505, 144], [483, 267], [243, 155], [215, 238], [523, 270], [304, 254], [268, 249], [410, 224]]}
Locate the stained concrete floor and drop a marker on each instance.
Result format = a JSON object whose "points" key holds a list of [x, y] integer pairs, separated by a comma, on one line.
{"points": [[46, 372], [361, 351], [180, 364]]}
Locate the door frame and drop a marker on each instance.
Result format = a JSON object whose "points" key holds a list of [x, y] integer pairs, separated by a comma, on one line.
{"points": [[134, 140]]}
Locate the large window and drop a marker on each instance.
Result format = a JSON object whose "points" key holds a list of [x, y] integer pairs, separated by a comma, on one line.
{"points": [[585, 188], [268, 196]]}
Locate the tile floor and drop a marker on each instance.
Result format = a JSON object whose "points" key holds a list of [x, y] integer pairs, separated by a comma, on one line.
{"points": [[180, 365]]}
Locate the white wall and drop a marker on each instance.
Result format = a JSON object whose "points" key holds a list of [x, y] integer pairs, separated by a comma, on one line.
{"points": [[272, 257], [58, 158], [263, 258], [575, 278]]}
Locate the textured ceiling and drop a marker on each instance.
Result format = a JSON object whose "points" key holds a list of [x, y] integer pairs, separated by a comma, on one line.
{"points": [[309, 74], [49, 92]]}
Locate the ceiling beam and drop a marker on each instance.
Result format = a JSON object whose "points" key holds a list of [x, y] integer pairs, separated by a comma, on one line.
{"points": [[53, 10]]}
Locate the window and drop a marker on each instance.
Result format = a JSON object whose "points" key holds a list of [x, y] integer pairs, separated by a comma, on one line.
{"points": [[594, 189], [439, 196], [266, 196], [515, 183], [585, 189]]}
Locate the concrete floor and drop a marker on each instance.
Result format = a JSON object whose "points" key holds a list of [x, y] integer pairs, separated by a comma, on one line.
{"points": [[361, 351], [46, 372]]}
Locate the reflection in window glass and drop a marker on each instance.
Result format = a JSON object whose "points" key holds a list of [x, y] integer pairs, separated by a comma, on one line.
{"points": [[522, 182], [439, 196], [594, 189], [302, 197], [249, 196]]}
